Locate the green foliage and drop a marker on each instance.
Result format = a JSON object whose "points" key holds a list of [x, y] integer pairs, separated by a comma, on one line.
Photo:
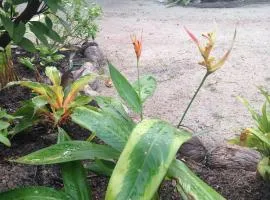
{"points": [[144, 151], [4, 125], [48, 56], [74, 175], [148, 86], [145, 160], [189, 185], [69, 151], [37, 192], [125, 89], [28, 62], [16, 24], [16, 19], [258, 138], [78, 21], [53, 103]]}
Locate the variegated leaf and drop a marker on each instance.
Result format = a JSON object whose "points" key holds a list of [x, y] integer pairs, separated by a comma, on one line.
{"points": [[150, 149]]}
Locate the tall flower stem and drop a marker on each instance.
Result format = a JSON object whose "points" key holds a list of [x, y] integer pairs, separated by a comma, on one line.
{"points": [[194, 96], [139, 87]]}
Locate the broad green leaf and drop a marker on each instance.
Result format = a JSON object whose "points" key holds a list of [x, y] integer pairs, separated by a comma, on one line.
{"points": [[115, 108], [102, 167], [74, 175], [111, 130], [77, 86], [39, 101], [80, 100], [39, 88], [54, 5], [69, 151], [191, 186], [48, 22], [142, 165], [27, 45], [54, 36], [7, 23], [40, 30], [29, 119], [125, 90], [4, 140], [54, 75], [34, 193], [264, 168], [148, 86], [19, 31], [3, 125], [75, 182]]}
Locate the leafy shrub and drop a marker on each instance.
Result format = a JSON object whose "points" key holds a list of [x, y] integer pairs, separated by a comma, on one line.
{"points": [[14, 25], [53, 103], [78, 21], [4, 125], [258, 138]]}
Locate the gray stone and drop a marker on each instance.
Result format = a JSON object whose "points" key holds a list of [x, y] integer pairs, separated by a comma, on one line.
{"points": [[94, 54]]}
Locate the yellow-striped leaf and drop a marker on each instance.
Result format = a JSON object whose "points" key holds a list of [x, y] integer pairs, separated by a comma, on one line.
{"points": [[150, 149], [77, 86], [189, 185], [125, 90], [54, 75]]}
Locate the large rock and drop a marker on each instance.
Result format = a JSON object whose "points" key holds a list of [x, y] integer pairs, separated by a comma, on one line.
{"points": [[233, 157], [94, 54], [224, 156], [194, 150]]}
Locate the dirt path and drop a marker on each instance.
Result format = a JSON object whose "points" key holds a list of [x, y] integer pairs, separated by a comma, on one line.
{"points": [[172, 58]]}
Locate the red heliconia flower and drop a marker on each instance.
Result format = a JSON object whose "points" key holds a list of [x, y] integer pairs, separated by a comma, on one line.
{"points": [[209, 61], [137, 46]]}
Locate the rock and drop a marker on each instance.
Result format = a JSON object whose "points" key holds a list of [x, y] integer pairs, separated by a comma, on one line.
{"points": [[233, 157], [86, 68], [94, 54], [89, 91], [194, 150]]}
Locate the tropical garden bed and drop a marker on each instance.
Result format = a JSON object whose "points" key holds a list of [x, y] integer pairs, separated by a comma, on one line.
{"points": [[85, 133]]}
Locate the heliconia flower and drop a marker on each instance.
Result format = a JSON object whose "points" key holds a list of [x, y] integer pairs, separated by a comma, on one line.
{"points": [[209, 61], [137, 46]]}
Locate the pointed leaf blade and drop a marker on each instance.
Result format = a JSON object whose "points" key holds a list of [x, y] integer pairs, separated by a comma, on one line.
{"points": [[125, 90], [68, 151], [107, 127], [148, 86], [192, 187], [145, 160], [74, 174], [30, 193]]}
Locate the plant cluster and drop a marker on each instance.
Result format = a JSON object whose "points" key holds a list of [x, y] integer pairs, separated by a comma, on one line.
{"points": [[50, 23], [137, 156], [258, 138], [78, 21]]}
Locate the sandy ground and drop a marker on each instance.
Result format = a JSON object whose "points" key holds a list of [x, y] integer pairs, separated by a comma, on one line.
{"points": [[172, 58]]}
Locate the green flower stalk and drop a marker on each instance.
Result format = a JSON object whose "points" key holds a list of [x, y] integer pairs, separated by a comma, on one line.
{"points": [[209, 62], [138, 50]]}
